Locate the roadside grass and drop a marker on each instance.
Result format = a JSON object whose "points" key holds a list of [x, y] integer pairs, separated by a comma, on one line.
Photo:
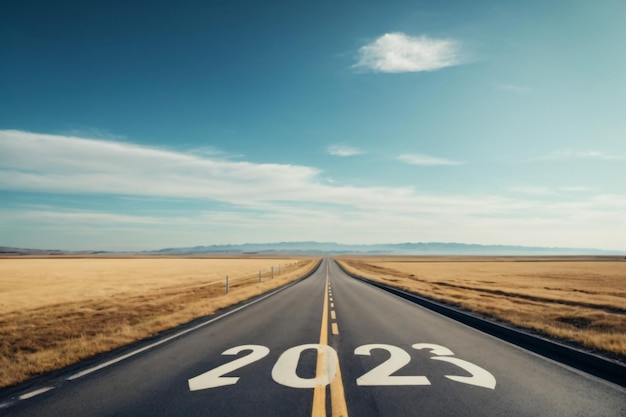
{"points": [[578, 300], [55, 312]]}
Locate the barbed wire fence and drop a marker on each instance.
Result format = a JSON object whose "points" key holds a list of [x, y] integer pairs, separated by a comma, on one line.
{"points": [[231, 282]]}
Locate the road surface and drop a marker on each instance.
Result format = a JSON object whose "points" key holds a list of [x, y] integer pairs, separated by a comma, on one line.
{"points": [[328, 345]]}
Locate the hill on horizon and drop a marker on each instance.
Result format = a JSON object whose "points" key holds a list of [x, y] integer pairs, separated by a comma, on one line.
{"points": [[312, 247], [406, 248]]}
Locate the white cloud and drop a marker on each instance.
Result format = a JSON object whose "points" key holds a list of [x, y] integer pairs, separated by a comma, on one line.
{"points": [[49, 163], [214, 152], [54, 215], [519, 89], [575, 189], [398, 52], [574, 154], [93, 133], [540, 190], [589, 222], [343, 150], [533, 190], [257, 202], [58, 164], [419, 159]]}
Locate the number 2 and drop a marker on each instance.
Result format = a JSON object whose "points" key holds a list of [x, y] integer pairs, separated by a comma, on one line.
{"points": [[215, 377], [381, 375]]}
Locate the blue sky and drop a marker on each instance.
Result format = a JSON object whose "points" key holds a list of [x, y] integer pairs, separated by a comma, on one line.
{"points": [[141, 125]]}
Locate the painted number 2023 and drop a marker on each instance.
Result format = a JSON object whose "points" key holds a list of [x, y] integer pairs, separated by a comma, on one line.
{"points": [[284, 370]]}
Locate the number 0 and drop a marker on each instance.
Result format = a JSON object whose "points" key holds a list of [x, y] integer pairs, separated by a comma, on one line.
{"points": [[284, 371]]}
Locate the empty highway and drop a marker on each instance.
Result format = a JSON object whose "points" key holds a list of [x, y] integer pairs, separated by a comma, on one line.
{"points": [[329, 345]]}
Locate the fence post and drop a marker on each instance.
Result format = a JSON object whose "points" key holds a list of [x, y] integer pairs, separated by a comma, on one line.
{"points": [[272, 272], [226, 284], [260, 279]]}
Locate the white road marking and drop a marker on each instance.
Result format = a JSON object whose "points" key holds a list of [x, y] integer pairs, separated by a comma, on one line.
{"points": [[6, 405], [215, 377], [333, 315], [480, 377], [167, 339], [382, 374], [284, 371], [437, 350], [35, 393]]}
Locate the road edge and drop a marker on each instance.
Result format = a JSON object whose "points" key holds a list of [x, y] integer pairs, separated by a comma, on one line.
{"points": [[53, 379], [598, 366]]}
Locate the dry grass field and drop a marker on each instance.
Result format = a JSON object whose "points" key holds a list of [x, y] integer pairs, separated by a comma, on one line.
{"points": [[579, 300], [57, 311]]}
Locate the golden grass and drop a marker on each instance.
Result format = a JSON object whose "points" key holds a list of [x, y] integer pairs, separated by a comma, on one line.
{"points": [[579, 300], [55, 312]]}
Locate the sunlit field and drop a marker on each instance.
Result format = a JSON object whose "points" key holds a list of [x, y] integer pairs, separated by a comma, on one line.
{"points": [[54, 312], [579, 300]]}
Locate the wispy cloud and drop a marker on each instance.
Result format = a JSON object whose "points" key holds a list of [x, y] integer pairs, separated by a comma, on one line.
{"points": [[518, 89], [542, 190], [59, 164], [93, 133], [533, 190], [575, 154], [343, 150], [93, 218], [575, 189], [398, 52], [426, 160], [64, 164], [244, 201], [214, 152]]}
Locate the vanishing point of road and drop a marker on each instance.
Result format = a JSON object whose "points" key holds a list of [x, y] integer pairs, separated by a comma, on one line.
{"points": [[329, 345]]}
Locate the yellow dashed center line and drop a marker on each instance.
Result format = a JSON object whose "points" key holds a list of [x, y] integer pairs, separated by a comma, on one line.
{"points": [[337, 395]]}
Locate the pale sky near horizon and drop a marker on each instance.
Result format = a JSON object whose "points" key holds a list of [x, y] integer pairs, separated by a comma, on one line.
{"points": [[142, 125]]}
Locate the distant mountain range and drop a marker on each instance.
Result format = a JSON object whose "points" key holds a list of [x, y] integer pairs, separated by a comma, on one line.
{"points": [[8, 251], [298, 248], [408, 248]]}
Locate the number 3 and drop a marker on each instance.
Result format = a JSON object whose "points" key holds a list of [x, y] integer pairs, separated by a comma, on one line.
{"points": [[479, 377]]}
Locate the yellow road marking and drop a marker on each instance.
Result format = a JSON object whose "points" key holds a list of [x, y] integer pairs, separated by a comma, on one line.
{"points": [[337, 395], [319, 392], [333, 316]]}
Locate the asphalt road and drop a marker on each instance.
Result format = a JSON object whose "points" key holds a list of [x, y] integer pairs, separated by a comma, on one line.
{"points": [[329, 345]]}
